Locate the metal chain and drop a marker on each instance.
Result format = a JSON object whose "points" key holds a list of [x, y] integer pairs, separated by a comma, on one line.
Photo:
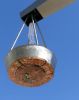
{"points": [[41, 35], [18, 35], [36, 37]]}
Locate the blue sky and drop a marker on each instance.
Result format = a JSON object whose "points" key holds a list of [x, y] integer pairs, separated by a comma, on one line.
{"points": [[61, 32]]}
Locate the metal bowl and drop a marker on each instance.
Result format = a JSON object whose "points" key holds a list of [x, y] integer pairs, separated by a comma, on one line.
{"points": [[30, 65]]}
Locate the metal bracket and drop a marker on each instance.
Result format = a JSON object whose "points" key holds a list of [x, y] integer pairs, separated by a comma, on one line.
{"points": [[42, 8]]}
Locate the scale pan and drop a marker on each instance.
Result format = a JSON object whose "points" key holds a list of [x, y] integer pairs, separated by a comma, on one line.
{"points": [[30, 65]]}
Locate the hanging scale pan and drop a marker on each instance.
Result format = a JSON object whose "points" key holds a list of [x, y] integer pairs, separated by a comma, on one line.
{"points": [[33, 65]]}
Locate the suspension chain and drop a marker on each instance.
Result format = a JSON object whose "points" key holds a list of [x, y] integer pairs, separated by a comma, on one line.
{"points": [[18, 34]]}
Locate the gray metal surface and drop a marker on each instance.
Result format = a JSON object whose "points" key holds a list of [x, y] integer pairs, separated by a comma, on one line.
{"points": [[51, 6], [46, 7], [30, 51], [32, 7]]}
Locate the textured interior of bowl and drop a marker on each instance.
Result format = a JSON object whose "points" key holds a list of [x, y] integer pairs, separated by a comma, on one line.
{"points": [[30, 72], [30, 65]]}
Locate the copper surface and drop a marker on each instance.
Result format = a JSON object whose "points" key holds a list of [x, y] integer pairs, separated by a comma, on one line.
{"points": [[30, 72]]}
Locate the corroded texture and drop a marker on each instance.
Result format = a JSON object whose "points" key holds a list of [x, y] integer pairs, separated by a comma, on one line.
{"points": [[30, 72]]}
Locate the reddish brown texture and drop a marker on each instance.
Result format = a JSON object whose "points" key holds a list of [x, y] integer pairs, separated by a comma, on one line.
{"points": [[30, 72]]}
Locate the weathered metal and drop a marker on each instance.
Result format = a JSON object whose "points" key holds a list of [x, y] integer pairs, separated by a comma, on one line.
{"points": [[30, 65], [43, 8]]}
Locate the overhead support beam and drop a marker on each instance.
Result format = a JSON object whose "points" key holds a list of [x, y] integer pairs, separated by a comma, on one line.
{"points": [[43, 8]]}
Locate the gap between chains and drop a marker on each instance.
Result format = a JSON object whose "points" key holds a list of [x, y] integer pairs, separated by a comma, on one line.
{"points": [[35, 31]]}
